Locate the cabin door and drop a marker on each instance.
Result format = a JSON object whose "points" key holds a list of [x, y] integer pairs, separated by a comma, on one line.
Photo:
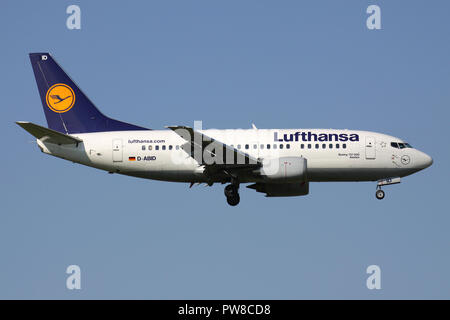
{"points": [[370, 148], [117, 150]]}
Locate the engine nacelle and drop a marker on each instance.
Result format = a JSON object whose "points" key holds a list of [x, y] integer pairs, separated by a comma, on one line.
{"points": [[284, 169], [282, 189]]}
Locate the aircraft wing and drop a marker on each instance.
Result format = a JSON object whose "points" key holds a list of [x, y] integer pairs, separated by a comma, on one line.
{"points": [[214, 155], [48, 135]]}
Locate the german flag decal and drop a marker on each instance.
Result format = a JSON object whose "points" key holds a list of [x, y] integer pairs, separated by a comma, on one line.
{"points": [[132, 158]]}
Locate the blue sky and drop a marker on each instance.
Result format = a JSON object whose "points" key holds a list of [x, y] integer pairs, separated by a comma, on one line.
{"points": [[278, 64]]}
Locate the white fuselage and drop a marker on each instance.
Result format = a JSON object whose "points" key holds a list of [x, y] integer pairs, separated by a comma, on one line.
{"points": [[156, 154]]}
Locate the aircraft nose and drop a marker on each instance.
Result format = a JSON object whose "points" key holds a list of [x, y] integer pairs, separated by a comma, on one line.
{"points": [[424, 160], [428, 161]]}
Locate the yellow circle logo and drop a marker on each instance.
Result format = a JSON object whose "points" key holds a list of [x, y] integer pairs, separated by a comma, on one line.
{"points": [[60, 98]]}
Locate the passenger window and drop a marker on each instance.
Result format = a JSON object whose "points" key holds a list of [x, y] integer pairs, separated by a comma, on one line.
{"points": [[261, 146], [156, 147], [239, 146], [281, 146], [149, 148], [331, 146], [163, 147], [268, 146], [309, 145], [170, 147], [317, 146], [143, 147], [337, 145], [288, 146], [302, 146], [274, 146], [255, 146], [344, 146], [324, 146], [177, 147], [246, 146]]}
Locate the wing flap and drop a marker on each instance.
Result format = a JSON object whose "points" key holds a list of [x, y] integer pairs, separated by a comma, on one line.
{"points": [[48, 135]]}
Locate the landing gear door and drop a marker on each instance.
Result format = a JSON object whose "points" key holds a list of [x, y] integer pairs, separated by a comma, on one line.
{"points": [[370, 148], [117, 150]]}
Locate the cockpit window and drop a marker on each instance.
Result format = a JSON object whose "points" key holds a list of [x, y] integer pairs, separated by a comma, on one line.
{"points": [[400, 145]]}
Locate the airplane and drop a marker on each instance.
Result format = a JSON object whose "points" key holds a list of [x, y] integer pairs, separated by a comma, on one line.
{"points": [[275, 162]]}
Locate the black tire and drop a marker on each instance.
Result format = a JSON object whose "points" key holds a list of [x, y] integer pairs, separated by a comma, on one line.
{"points": [[379, 194], [230, 191], [234, 200]]}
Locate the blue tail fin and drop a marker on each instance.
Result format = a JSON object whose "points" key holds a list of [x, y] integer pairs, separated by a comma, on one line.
{"points": [[66, 107]]}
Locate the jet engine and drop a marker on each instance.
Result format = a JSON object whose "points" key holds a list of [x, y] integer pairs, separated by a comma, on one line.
{"points": [[284, 169], [282, 189]]}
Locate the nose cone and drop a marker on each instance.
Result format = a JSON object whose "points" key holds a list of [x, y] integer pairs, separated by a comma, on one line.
{"points": [[424, 161], [429, 161]]}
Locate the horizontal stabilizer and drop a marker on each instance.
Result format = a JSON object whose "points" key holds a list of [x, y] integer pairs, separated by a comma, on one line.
{"points": [[48, 135]]}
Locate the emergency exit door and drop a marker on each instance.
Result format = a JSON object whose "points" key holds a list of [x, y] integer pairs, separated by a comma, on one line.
{"points": [[117, 150], [370, 148]]}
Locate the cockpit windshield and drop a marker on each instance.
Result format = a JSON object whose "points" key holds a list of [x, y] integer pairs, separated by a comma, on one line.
{"points": [[400, 145]]}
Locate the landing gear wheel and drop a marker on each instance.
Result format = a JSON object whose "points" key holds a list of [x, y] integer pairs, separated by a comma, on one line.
{"points": [[379, 194], [234, 200], [232, 194], [230, 190]]}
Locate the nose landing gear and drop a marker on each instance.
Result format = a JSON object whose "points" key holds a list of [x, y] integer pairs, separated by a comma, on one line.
{"points": [[385, 182], [232, 194], [379, 194]]}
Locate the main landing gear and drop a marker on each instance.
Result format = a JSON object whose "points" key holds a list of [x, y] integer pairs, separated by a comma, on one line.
{"points": [[232, 194], [384, 182]]}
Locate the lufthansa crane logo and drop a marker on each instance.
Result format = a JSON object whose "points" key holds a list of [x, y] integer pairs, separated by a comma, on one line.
{"points": [[60, 98], [405, 159]]}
